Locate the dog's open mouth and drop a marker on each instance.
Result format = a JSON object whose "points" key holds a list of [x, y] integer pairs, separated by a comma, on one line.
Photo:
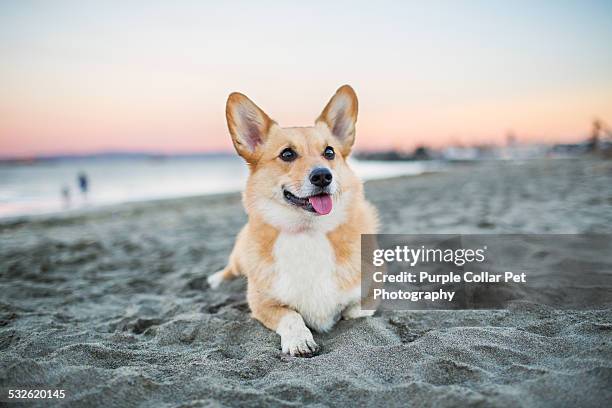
{"points": [[320, 203]]}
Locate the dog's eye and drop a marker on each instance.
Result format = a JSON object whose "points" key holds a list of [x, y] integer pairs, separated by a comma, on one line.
{"points": [[329, 153], [288, 155]]}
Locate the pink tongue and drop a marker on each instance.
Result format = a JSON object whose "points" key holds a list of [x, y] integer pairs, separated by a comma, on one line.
{"points": [[322, 204]]}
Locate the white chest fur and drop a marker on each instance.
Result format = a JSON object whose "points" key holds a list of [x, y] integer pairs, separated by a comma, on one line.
{"points": [[304, 269]]}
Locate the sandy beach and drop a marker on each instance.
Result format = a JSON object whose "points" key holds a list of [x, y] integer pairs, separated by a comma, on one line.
{"points": [[112, 305]]}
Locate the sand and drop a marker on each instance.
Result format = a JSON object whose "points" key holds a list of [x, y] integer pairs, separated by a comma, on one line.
{"points": [[112, 306]]}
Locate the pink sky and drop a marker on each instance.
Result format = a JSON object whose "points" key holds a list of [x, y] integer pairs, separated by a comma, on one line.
{"points": [[80, 78]]}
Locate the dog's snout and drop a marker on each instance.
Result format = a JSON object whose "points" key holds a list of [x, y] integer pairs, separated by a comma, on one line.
{"points": [[321, 177]]}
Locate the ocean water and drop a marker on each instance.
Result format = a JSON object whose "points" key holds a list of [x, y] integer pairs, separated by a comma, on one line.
{"points": [[37, 188]]}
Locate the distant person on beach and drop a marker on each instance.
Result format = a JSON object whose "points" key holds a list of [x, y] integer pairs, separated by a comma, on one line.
{"points": [[83, 183], [66, 196]]}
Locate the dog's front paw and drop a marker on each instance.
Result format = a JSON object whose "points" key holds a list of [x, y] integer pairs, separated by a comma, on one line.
{"points": [[299, 344], [215, 279], [355, 312]]}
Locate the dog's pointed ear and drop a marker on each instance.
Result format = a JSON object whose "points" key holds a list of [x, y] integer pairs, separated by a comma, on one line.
{"points": [[340, 116], [248, 125]]}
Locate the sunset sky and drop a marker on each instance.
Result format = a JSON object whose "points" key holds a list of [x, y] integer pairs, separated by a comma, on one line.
{"points": [[81, 77]]}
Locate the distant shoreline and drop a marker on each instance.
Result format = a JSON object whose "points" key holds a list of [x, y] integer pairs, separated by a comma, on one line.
{"points": [[137, 204], [53, 187]]}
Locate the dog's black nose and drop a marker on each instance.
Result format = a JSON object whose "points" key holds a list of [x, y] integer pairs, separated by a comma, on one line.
{"points": [[321, 177]]}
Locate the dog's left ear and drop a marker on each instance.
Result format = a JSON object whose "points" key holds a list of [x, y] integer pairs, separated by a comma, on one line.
{"points": [[340, 116]]}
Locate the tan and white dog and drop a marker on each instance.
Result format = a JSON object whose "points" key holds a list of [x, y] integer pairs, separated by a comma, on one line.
{"points": [[300, 249]]}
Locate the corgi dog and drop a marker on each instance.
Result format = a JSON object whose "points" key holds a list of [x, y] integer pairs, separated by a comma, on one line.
{"points": [[301, 249]]}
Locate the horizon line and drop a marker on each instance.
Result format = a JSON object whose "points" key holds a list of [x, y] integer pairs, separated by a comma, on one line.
{"points": [[229, 151]]}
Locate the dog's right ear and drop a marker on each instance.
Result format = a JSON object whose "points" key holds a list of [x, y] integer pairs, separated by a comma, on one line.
{"points": [[248, 125]]}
